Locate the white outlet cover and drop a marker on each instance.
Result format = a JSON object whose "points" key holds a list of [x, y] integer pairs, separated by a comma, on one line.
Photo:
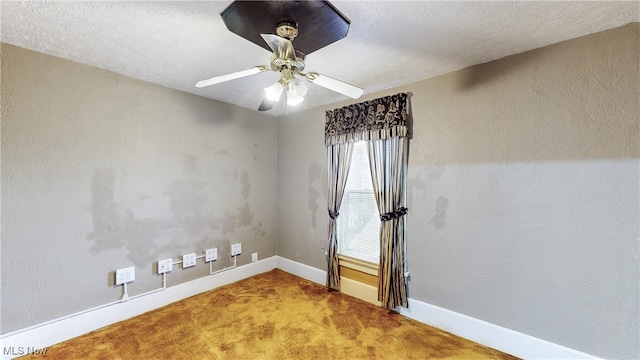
{"points": [[188, 260], [254, 257], [236, 249], [125, 275], [211, 255]]}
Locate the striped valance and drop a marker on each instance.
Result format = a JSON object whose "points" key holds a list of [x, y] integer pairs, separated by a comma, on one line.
{"points": [[380, 118]]}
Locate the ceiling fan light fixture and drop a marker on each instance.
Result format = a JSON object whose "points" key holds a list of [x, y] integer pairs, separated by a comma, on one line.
{"points": [[274, 91], [296, 90], [285, 59], [297, 87]]}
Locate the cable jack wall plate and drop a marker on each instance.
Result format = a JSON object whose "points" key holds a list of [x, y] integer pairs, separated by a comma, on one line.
{"points": [[164, 266]]}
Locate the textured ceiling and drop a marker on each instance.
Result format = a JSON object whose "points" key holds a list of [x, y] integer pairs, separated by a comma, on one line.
{"points": [[390, 43]]}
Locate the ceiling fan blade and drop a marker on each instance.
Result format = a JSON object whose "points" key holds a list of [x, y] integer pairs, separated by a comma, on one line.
{"points": [[282, 48], [266, 104], [330, 83], [227, 77]]}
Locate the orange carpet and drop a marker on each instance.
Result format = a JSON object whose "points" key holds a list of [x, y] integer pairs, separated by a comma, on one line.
{"points": [[274, 315]]}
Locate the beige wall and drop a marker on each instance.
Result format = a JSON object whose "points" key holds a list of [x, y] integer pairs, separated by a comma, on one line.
{"points": [[100, 172], [523, 192]]}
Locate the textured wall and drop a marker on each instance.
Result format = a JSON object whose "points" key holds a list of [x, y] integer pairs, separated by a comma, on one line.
{"points": [[100, 172], [523, 190]]}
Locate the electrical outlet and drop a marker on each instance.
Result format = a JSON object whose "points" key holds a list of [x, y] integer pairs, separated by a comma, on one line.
{"points": [[164, 266], [188, 260], [211, 255], [236, 249], [254, 257], [125, 275]]}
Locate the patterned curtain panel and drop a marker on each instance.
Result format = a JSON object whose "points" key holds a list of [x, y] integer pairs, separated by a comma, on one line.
{"points": [[384, 124], [388, 162], [339, 161], [380, 118]]}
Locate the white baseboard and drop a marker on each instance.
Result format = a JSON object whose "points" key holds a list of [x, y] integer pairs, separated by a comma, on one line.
{"points": [[68, 327], [494, 336], [304, 271]]}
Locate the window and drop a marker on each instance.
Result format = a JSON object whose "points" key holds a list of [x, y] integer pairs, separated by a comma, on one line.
{"points": [[359, 220]]}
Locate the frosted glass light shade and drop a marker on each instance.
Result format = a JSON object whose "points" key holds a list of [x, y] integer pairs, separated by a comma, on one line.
{"points": [[293, 100], [296, 91], [273, 92]]}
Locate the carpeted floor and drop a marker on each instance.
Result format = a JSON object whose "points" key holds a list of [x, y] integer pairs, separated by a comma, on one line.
{"points": [[274, 315]]}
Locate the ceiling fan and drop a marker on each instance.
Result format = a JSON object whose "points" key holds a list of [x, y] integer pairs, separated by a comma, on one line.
{"points": [[290, 64]]}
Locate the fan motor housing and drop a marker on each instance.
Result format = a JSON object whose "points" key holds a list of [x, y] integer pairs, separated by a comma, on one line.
{"points": [[287, 30], [277, 63]]}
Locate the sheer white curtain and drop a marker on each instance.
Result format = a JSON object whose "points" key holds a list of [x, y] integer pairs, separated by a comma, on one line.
{"points": [[388, 162], [339, 161]]}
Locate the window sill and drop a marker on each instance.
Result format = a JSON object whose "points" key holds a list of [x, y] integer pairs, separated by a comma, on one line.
{"points": [[359, 265]]}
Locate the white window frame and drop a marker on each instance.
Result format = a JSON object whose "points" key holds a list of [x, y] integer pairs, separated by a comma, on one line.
{"points": [[344, 215]]}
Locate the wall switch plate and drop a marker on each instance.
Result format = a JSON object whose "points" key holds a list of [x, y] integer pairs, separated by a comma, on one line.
{"points": [[188, 260], [254, 257], [164, 266], [236, 249], [125, 275], [211, 255]]}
